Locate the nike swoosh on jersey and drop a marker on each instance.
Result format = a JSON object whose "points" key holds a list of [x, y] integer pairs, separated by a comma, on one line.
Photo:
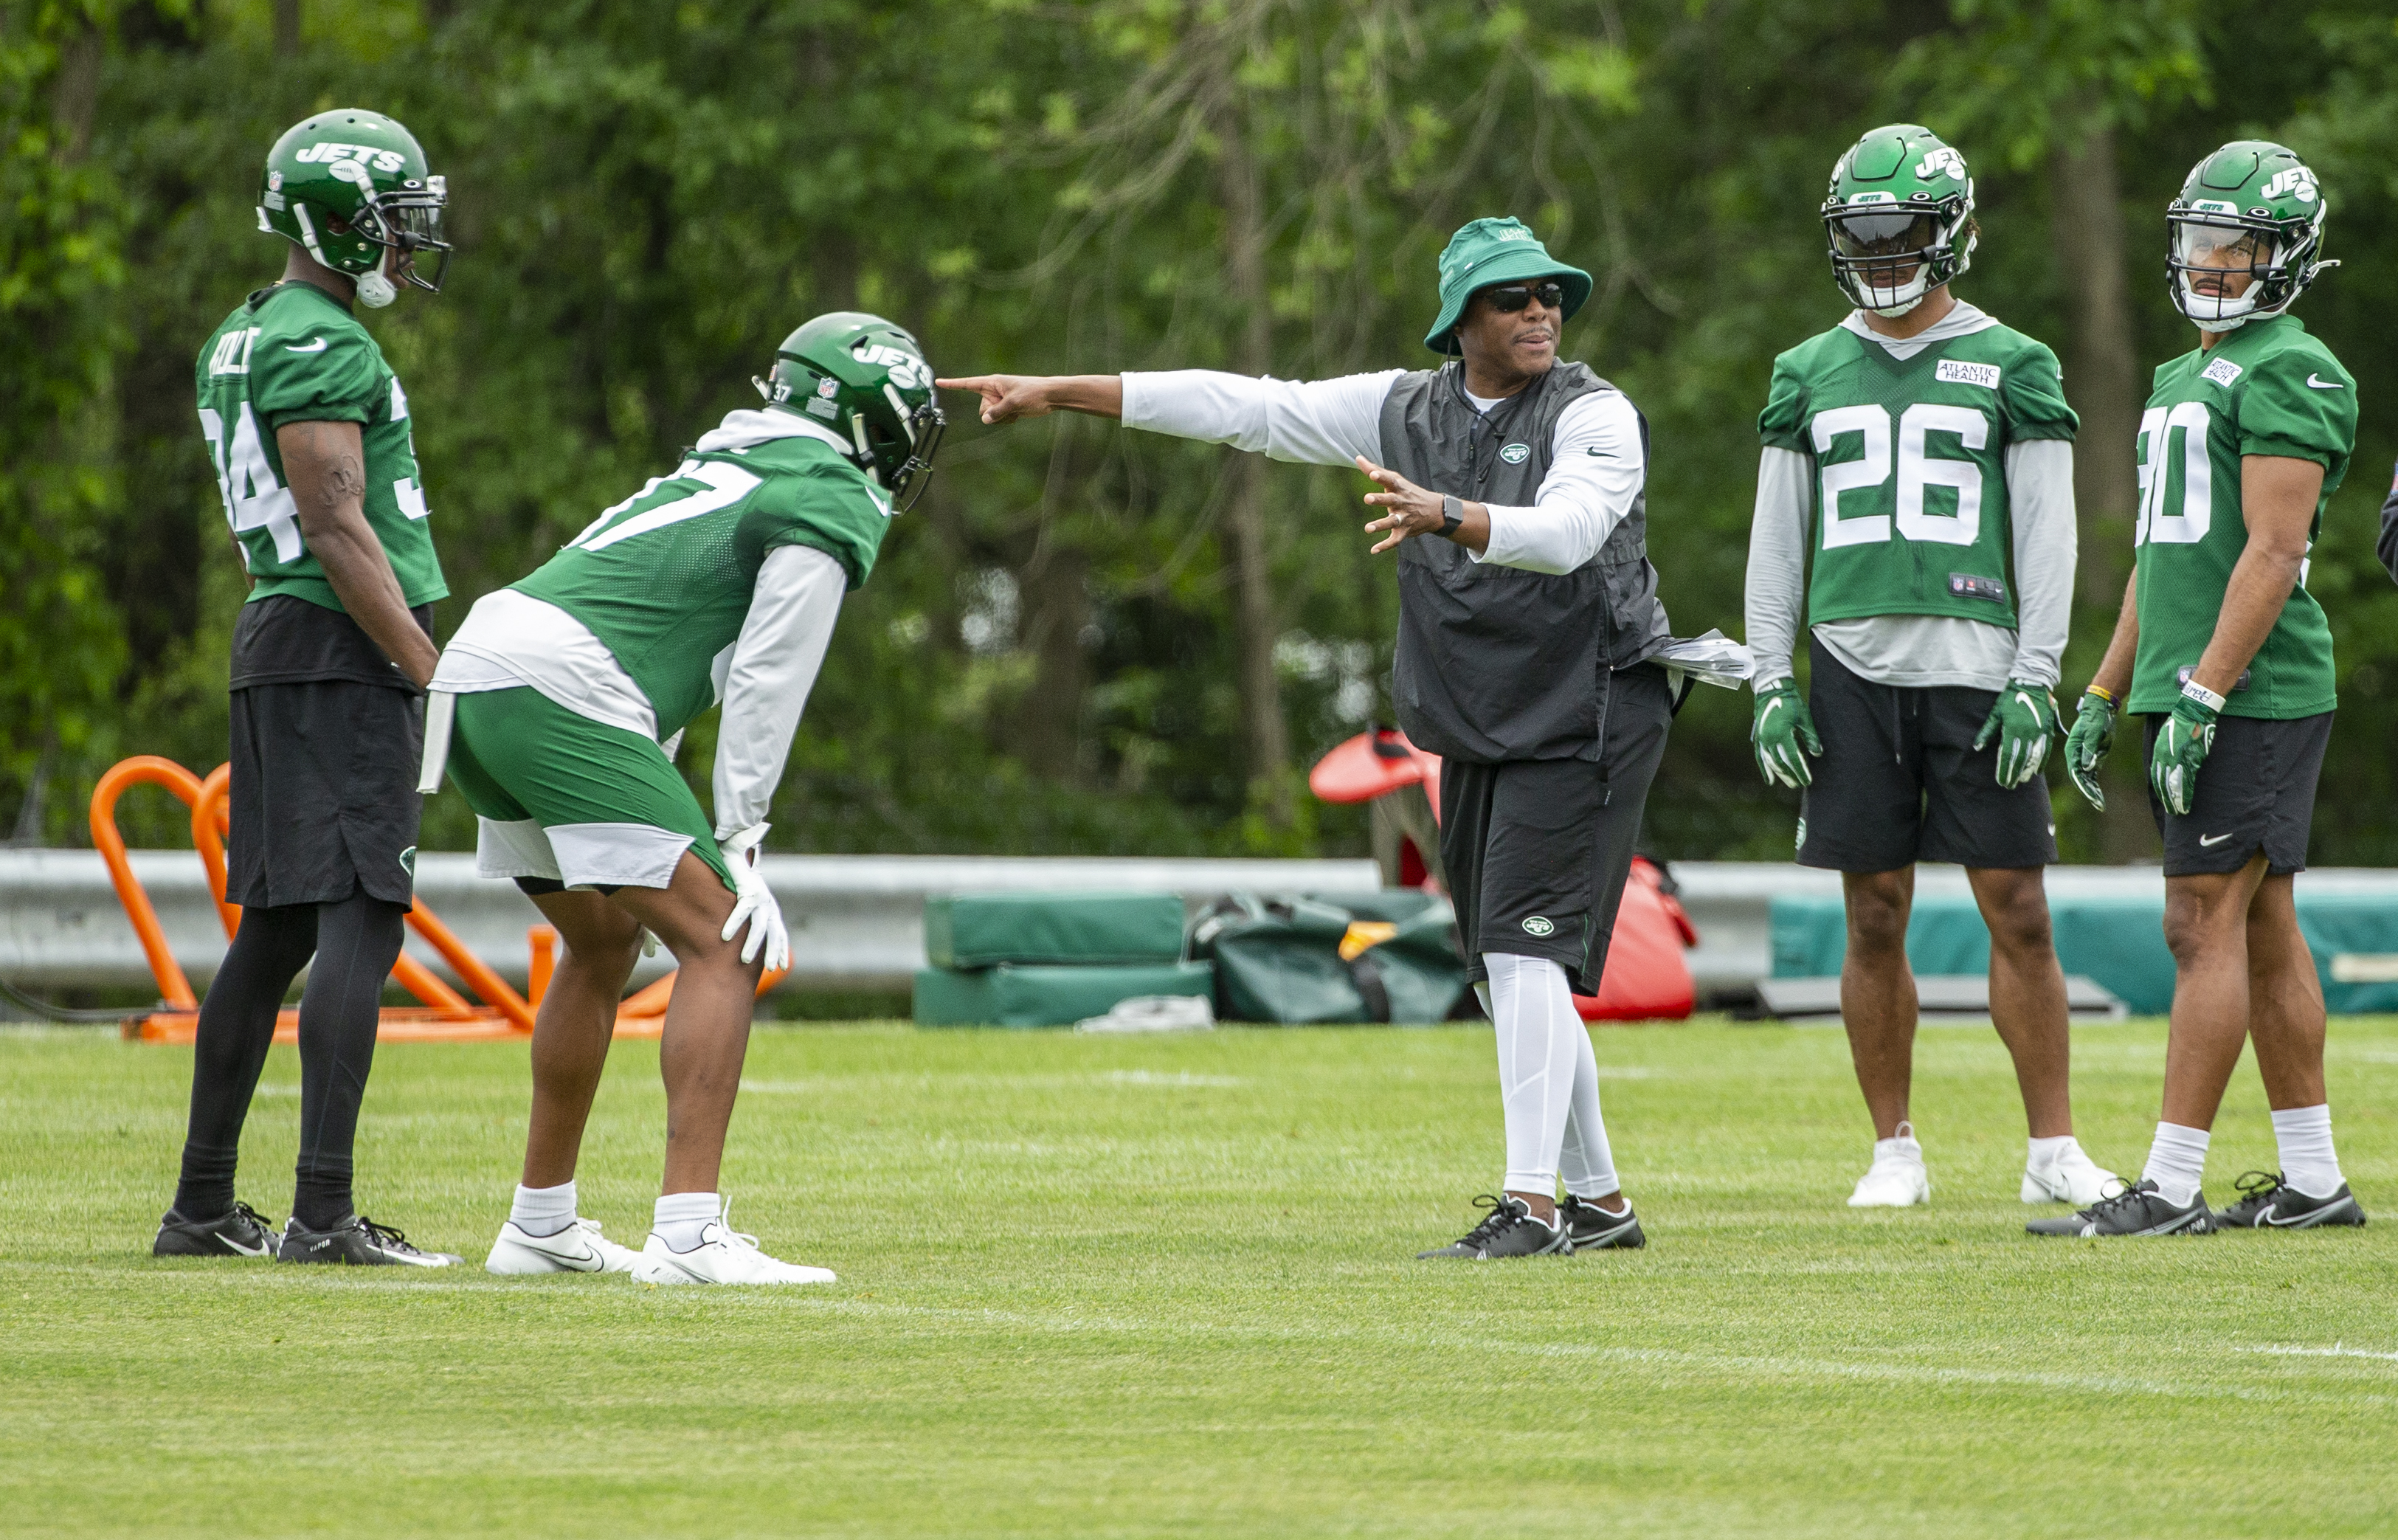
{"points": [[2211, 840], [2326, 384], [1597, 453], [317, 346]]}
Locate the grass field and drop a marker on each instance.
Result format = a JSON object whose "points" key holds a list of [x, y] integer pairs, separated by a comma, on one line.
{"points": [[1113, 1287]]}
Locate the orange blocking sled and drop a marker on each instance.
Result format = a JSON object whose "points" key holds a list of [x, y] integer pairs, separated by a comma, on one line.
{"points": [[445, 1016]]}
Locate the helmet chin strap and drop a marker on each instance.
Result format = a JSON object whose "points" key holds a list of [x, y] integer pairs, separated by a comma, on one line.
{"points": [[1903, 301], [375, 290]]}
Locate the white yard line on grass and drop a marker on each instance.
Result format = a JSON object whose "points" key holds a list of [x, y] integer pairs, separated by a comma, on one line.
{"points": [[2336, 1350]]}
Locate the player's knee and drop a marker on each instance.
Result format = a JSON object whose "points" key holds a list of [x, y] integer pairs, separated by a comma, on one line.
{"points": [[2192, 929], [1877, 919], [2019, 923]]}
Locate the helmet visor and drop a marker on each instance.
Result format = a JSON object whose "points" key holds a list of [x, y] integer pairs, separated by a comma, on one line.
{"points": [[1897, 233], [2232, 247]]}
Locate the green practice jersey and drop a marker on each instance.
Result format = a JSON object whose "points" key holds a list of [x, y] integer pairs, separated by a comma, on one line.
{"points": [[2267, 388], [664, 578], [294, 354], [1911, 512]]}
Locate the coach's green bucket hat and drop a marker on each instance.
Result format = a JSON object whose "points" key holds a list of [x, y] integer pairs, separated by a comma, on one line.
{"points": [[1495, 250]]}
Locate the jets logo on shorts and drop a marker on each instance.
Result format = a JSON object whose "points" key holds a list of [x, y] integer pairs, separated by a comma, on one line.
{"points": [[1515, 455], [408, 862], [1539, 924]]}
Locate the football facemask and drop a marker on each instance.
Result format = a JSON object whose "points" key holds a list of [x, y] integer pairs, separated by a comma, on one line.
{"points": [[2245, 235]]}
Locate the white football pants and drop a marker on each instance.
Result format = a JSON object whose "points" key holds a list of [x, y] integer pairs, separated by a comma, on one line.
{"points": [[1548, 1081]]}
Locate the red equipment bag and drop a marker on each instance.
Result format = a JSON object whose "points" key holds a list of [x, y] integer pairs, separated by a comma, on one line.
{"points": [[1647, 977]]}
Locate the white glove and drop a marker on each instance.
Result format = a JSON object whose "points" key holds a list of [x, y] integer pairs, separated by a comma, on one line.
{"points": [[753, 901]]}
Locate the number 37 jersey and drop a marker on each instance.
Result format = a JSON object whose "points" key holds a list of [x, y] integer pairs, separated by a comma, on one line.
{"points": [[2268, 389], [294, 354], [1911, 514]]}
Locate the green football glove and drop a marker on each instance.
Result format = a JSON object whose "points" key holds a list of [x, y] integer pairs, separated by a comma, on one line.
{"points": [[2182, 747], [2086, 746], [2022, 719], [1781, 730]]}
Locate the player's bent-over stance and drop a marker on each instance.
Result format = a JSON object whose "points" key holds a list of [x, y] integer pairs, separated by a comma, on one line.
{"points": [[309, 434], [1514, 489], [2229, 657], [720, 580], [1917, 457]]}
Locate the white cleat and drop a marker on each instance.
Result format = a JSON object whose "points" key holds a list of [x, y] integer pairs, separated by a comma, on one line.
{"points": [[723, 1255], [1897, 1178], [580, 1247], [2074, 1178]]}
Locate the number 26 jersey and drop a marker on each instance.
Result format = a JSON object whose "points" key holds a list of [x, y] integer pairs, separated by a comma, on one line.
{"points": [[2268, 389], [1911, 511]]}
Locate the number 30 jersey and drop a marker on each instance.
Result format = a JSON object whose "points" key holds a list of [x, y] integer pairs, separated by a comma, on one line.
{"points": [[1911, 514], [2267, 388], [665, 579], [294, 354]]}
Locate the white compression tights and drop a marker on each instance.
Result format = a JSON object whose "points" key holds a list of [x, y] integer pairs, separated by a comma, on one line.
{"points": [[1548, 1080]]}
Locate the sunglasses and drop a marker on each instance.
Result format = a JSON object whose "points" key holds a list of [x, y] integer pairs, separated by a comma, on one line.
{"points": [[1517, 296]]}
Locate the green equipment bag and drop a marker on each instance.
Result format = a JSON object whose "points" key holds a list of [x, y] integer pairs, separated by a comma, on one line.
{"points": [[1013, 994], [1279, 960], [971, 931]]}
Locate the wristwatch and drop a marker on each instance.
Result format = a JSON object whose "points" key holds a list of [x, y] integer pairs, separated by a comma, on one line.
{"points": [[1452, 515]]}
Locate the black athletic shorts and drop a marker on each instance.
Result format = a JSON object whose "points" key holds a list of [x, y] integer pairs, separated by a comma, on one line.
{"points": [[1537, 850], [2256, 792], [323, 796], [1899, 780]]}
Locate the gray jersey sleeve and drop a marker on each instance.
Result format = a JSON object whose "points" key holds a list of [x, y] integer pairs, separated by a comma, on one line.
{"points": [[772, 666], [2040, 497], [1776, 590]]}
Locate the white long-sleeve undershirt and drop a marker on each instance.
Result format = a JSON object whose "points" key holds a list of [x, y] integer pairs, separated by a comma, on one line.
{"points": [[1595, 466], [1916, 650]]}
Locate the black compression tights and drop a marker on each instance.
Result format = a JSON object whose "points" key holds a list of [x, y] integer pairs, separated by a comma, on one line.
{"points": [[355, 943]]}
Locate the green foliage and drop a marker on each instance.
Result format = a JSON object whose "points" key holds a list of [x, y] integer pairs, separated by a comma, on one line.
{"points": [[646, 198]]}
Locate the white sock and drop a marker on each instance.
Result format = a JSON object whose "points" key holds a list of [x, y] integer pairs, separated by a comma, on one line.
{"points": [[2308, 1163], [1532, 1012], [1900, 1145], [681, 1217], [2044, 1154], [2177, 1163], [543, 1210], [1586, 1162]]}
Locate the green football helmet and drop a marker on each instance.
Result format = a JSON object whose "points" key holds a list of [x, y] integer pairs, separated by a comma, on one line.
{"points": [[2253, 208], [349, 186], [866, 379], [1899, 218]]}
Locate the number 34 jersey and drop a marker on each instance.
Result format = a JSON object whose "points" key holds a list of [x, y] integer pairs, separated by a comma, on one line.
{"points": [[1911, 514], [2268, 389], [294, 354]]}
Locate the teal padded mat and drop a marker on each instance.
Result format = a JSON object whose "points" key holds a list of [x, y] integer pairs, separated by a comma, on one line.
{"points": [[970, 930], [1036, 996], [2120, 942]]}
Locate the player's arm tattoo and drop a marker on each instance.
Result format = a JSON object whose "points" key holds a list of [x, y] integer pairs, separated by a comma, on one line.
{"points": [[325, 465]]}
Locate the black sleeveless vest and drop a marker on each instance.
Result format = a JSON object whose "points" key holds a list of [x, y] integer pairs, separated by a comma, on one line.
{"points": [[1495, 663]]}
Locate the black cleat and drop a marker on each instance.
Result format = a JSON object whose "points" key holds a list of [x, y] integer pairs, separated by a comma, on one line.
{"points": [[1508, 1230], [1592, 1228], [2269, 1203], [237, 1233], [360, 1243], [2137, 1211]]}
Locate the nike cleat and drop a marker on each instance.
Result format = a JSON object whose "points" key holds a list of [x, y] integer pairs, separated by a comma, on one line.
{"points": [[2269, 1203], [723, 1255], [2139, 1209], [1508, 1230], [2073, 1178], [359, 1243], [1592, 1228], [238, 1233], [580, 1247], [1893, 1182]]}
